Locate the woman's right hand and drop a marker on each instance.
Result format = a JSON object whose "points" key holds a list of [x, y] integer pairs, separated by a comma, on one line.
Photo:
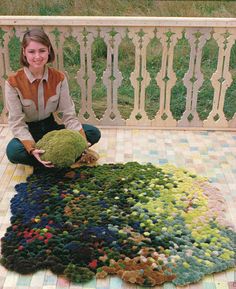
{"points": [[36, 153]]}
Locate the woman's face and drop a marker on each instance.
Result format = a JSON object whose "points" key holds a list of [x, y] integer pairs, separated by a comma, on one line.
{"points": [[36, 55]]}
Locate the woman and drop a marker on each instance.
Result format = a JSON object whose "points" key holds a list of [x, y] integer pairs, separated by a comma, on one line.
{"points": [[33, 94]]}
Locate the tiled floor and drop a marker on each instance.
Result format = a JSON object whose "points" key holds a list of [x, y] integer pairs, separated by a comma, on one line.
{"points": [[212, 154]]}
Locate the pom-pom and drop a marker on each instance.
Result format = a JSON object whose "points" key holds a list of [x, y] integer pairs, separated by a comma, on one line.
{"points": [[78, 274], [62, 147]]}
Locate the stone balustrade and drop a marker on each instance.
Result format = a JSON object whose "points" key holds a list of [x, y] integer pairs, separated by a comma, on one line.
{"points": [[142, 34]]}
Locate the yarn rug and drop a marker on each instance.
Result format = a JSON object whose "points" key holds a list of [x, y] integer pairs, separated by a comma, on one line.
{"points": [[146, 224]]}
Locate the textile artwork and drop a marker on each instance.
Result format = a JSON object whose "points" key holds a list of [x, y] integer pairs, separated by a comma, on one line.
{"points": [[144, 223]]}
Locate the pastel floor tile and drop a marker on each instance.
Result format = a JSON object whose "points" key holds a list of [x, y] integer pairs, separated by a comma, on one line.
{"points": [[50, 279], [169, 286], [103, 283], [231, 276], [11, 279], [74, 286], [62, 283], [37, 279], [128, 286], [47, 287], [2, 281], [220, 277], [222, 285], [209, 285], [115, 283], [24, 280], [232, 285]]}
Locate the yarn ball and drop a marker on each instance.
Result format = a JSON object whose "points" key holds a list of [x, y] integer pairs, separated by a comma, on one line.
{"points": [[62, 147]]}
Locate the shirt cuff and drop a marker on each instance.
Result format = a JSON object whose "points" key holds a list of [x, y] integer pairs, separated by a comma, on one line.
{"points": [[29, 145]]}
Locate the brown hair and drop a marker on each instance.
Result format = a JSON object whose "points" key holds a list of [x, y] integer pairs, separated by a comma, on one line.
{"points": [[37, 35]]}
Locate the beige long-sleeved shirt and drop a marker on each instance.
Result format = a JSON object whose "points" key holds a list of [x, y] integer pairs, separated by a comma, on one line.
{"points": [[29, 100]]}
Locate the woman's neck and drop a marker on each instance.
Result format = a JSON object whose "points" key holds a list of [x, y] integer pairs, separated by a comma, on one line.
{"points": [[37, 73]]}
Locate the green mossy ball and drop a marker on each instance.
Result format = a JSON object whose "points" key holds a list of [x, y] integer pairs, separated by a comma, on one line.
{"points": [[62, 147]]}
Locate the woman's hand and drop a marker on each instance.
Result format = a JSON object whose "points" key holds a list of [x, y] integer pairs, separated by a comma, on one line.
{"points": [[36, 153]]}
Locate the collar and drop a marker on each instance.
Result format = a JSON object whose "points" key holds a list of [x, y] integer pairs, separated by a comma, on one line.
{"points": [[32, 78]]}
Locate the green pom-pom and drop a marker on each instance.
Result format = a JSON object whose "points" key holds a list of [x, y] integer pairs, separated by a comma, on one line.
{"points": [[62, 147], [78, 274]]}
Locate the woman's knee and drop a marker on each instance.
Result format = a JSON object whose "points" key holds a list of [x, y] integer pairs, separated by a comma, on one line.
{"points": [[11, 150], [15, 151], [93, 134], [96, 135]]}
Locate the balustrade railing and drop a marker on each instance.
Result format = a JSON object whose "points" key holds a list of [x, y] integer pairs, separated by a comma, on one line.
{"points": [[137, 71]]}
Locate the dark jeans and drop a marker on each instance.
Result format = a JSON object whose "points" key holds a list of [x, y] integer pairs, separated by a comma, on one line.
{"points": [[17, 153]]}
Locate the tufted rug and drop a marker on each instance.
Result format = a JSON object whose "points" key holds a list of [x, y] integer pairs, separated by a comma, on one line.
{"points": [[146, 224]]}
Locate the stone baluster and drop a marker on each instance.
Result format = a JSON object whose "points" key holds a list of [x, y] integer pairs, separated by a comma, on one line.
{"points": [[5, 35], [112, 77], [193, 79], [57, 38], [166, 77], [140, 77], [221, 79], [86, 77], [140, 30]]}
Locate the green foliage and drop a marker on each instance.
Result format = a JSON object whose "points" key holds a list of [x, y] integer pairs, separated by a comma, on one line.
{"points": [[230, 97], [126, 59], [181, 66], [71, 58], [14, 51], [99, 49], [78, 274], [99, 53], [154, 58], [62, 147], [120, 8], [71, 52], [56, 9]]}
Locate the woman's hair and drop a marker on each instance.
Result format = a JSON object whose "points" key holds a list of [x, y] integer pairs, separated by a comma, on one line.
{"points": [[37, 35]]}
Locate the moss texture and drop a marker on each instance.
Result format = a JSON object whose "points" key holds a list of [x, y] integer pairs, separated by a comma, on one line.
{"points": [[62, 147], [146, 224]]}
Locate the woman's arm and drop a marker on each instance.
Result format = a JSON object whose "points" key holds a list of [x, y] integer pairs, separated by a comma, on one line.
{"points": [[18, 125], [16, 118]]}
